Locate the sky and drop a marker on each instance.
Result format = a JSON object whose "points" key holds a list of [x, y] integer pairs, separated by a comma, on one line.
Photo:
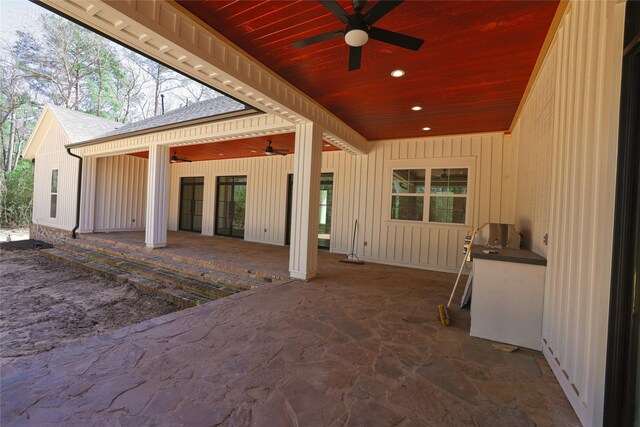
{"points": [[17, 15]]}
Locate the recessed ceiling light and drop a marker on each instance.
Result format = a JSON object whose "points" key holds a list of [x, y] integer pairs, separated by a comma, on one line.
{"points": [[220, 154], [416, 108], [397, 73], [426, 128], [253, 151], [327, 145]]}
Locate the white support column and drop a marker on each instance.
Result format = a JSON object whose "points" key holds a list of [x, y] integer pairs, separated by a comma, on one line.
{"points": [[157, 197], [88, 195], [307, 163]]}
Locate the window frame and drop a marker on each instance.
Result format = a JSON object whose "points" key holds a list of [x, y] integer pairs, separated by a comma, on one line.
{"points": [[427, 165], [55, 169]]}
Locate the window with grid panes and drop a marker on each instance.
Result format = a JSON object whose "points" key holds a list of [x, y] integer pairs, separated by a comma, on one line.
{"points": [[447, 195]]}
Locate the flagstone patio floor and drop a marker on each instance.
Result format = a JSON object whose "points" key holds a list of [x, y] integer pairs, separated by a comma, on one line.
{"points": [[359, 345]]}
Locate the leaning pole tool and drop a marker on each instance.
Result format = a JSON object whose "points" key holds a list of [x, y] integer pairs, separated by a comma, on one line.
{"points": [[352, 258], [443, 312]]}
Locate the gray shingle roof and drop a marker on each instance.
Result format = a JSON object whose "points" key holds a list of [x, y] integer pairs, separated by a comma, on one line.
{"points": [[82, 126], [198, 110]]}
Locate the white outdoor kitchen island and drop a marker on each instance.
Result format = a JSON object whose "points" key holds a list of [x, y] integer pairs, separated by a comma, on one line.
{"points": [[508, 295]]}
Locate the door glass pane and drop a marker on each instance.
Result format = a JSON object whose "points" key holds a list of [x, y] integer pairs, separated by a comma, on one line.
{"points": [[239, 198], [197, 223], [185, 209], [198, 192], [187, 192], [324, 217], [230, 208], [185, 222], [197, 210]]}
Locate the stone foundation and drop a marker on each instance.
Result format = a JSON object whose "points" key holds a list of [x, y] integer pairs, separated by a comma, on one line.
{"points": [[48, 234]]}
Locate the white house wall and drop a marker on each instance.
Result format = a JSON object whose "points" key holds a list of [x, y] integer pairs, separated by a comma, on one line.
{"points": [[567, 142], [121, 193], [52, 155], [362, 191]]}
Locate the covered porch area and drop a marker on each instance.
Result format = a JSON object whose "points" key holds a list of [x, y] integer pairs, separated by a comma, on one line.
{"points": [[346, 349], [222, 253]]}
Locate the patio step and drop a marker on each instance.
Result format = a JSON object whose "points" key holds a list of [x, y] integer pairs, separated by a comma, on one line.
{"points": [[260, 277], [168, 286], [205, 273], [210, 289]]}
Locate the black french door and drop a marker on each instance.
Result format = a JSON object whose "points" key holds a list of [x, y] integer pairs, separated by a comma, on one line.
{"points": [[324, 217], [230, 206], [191, 200]]}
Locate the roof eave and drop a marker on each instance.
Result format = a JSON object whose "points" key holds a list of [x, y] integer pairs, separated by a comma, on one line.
{"points": [[30, 150], [209, 119]]}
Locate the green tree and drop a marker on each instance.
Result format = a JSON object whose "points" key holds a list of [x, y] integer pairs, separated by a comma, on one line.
{"points": [[16, 195], [70, 66], [16, 111]]}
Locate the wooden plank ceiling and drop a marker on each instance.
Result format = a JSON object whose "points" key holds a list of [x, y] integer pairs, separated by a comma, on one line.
{"points": [[250, 147], [469, 75]]}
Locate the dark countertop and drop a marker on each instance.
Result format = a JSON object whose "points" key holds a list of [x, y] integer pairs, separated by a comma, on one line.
{"points": [[522, 256]]}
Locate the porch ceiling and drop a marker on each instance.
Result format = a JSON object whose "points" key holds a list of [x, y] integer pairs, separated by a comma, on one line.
{"points": [[469, 76], [235, 149]]}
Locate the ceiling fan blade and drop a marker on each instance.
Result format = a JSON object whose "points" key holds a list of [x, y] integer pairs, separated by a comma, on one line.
{"points": [[317, 39], [355, 57], [336, 9], [381, 8], [396, 39]]}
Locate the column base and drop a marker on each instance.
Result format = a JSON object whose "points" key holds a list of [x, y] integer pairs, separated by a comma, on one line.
{"points": [[155, 245], [300, 275]]}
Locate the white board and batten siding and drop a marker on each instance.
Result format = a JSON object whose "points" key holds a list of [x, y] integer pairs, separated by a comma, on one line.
{"points": [[52, 155], [120, 193], [566, 139], [362, 190]]}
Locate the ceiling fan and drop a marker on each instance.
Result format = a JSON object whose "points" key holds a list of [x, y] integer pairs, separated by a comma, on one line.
{"points": [[359, 28], [176, 159], [269, 150]]}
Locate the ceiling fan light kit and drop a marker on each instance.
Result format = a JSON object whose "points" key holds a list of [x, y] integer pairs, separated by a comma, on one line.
{"points": [[359, 29], [356, 38]]}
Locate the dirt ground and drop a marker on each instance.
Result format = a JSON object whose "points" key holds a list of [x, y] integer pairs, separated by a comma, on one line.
{"points": [[44, 305]]}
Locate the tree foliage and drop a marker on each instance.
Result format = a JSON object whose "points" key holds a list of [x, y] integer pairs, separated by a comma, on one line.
{"points": [[16, 195], [70, 66]]}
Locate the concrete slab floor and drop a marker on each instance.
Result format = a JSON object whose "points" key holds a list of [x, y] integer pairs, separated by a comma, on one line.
{"points": [[271, 259], [359, 346]]}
